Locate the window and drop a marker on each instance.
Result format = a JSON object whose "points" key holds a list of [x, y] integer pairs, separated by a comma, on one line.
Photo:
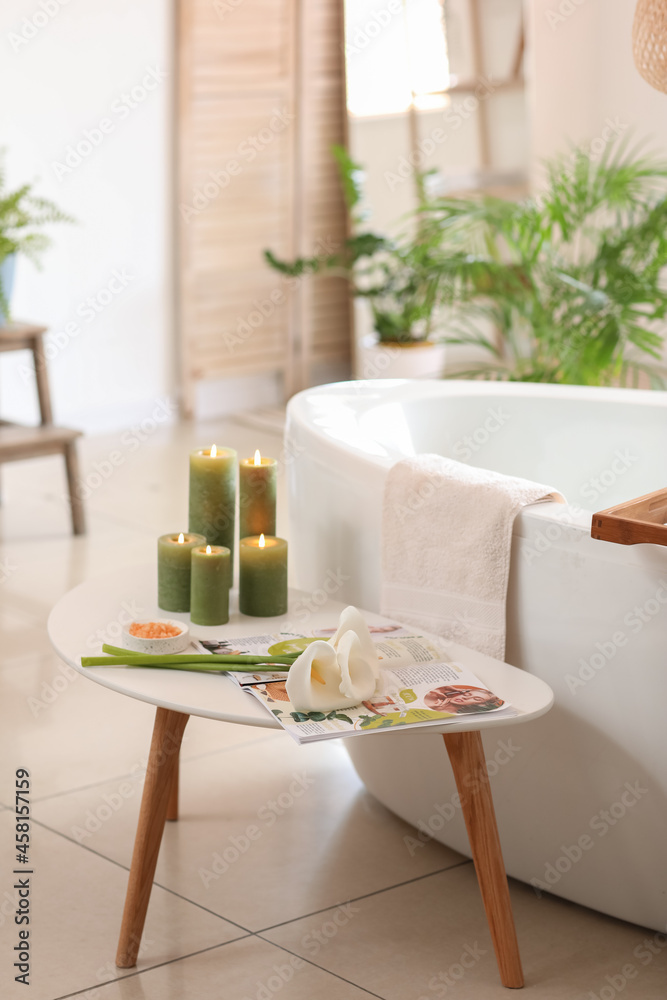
{"points": [[395, 51]]}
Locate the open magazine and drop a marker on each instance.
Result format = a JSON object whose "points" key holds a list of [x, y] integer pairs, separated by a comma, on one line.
{"points": [[418, 686]]}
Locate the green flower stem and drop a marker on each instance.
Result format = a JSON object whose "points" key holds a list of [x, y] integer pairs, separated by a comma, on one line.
{"points": [[185, 664], [203, 657], [210, 661], [200, 668]]}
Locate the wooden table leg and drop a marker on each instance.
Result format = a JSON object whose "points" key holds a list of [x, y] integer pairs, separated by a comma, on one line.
{"points": [[172, 808], [466, 754], [162, 762], [73, 484]]}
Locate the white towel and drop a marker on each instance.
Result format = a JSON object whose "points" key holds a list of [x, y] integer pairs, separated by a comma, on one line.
{"points": [[446, 541]]}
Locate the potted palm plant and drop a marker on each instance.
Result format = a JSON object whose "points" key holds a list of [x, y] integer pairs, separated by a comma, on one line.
{"points": [[22, 216], [566, 286], [395, 282]]}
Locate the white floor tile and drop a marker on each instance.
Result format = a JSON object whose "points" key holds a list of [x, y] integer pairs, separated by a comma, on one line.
{"points": [[268, 832], [75, 908], [243, 970]]}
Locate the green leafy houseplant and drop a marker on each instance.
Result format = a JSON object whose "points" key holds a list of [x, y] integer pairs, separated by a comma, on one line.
{"points": [[564, 287], [397, 277], [22, 216]]}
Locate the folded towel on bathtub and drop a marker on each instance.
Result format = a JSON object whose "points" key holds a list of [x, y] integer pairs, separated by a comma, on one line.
{"points": [[446, 541]]}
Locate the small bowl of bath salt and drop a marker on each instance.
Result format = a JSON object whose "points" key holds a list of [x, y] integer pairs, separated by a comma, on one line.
{"points": [[156, 635]]}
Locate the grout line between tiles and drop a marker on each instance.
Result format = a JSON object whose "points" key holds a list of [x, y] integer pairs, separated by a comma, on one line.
{"points": [[128, 774], [119, 521], [368, 895], [235, 746], [125, 868], [203, 951], [160, 965], [322, 968], [235, 923]]}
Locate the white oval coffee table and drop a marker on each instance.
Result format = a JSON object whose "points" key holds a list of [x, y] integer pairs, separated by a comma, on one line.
{"points": [[94, 612]]}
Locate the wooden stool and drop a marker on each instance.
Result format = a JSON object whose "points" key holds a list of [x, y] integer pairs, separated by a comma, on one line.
{"points": [[18, 442]]}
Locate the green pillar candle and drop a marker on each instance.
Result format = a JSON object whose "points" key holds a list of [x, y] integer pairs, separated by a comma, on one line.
{"points": [[209, 593], [174, 553], [257, 496], [263, 576], [213, 496]]}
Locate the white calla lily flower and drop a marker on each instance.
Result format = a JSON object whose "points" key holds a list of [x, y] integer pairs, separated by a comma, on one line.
{"points": [[357, 674], [351, 619], [314, 678], [339, 673]]}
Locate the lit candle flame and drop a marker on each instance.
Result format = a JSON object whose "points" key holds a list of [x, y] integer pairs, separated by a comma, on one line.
{"points": [[181, 539], [258, 458], [214, 451], [208, 550], [262, 543]]}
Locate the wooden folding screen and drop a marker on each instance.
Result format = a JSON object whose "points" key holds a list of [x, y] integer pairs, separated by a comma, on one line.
{"points": [[261, 100]]}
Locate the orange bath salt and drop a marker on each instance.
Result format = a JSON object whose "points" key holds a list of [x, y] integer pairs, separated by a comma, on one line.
{"points": [[153, 630]]}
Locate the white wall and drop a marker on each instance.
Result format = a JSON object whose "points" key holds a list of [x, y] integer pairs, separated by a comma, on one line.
{"points": [[111, 366], [582, 75], [450, 134], [584, 86]]}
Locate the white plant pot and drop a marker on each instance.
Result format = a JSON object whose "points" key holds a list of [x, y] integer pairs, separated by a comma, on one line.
{"points": [[420, 360]]}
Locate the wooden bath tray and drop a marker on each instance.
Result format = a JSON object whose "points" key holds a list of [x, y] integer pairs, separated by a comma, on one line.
{"points": [[639, 520]]}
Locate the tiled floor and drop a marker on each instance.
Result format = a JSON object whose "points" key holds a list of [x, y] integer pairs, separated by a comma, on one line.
{"points": [[327, 902]]}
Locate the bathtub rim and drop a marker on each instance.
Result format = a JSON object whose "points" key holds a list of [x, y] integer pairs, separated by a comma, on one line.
{"points": [[323, 448], [448, 388]]}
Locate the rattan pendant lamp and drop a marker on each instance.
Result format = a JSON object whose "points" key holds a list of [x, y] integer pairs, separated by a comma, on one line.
{"points": [[649, 42]]}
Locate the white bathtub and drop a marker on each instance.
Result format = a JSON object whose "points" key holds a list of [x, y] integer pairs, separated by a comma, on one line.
{"points": [[582, 805]]}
